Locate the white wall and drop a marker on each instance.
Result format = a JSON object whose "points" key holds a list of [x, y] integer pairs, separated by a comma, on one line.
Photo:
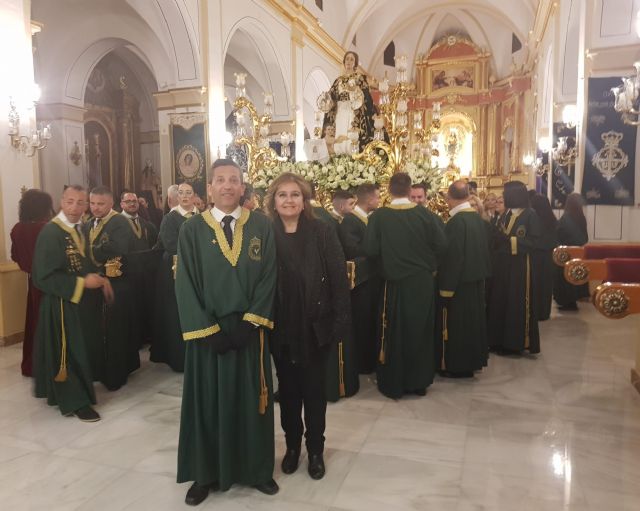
{"points": [[16, 170]]}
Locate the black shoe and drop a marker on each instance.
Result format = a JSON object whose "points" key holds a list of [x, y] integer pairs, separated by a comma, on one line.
{"points": [[316, 466], [87, 414], [268, 488], [197, 493], [290, 461]]}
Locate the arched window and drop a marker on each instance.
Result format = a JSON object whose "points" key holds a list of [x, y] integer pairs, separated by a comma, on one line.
{"points": [[390, 55]]}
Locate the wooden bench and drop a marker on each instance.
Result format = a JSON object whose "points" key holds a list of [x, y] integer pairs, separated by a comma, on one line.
{"points": [[565, 253]]}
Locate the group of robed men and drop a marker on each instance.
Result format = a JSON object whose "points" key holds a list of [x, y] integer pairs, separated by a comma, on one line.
{"points": [[403, 257]]}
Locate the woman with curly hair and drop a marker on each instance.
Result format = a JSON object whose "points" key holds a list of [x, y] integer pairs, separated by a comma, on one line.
{"points": [[35, 210]]}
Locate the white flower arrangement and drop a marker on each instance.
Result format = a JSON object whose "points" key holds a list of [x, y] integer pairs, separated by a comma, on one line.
{"points": [[421, 171], [340, 172]]}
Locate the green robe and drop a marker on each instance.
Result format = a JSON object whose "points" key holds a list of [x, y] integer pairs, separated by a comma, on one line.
{"points": [[168, 346], [513, 322], [342, 372], [365, 293], [226, 425], [117, 356], [569, 233], [408, 240], [462, 333], [59, 265], [544, 267], [141, 264]]}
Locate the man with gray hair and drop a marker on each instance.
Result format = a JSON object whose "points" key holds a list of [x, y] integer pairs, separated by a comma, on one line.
{"points": [[462, 345], [172, 198]]}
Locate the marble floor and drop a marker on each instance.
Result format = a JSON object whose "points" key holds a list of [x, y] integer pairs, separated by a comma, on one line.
{"points": [[556, 432]]}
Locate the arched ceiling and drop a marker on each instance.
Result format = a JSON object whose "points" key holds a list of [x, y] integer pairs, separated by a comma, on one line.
{"points": [[415, 25]]}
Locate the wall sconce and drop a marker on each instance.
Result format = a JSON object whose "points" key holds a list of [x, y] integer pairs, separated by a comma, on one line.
{"points": [[28, 145], [628, 98], [75, 155]]}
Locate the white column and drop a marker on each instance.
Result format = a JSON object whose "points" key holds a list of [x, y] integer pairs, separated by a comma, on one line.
{"points": [[213, 74], [586, 7], [297, 87]]}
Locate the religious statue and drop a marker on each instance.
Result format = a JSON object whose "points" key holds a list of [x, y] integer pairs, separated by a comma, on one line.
{"points": [[95, 161], [351, 108], [151, 182]]}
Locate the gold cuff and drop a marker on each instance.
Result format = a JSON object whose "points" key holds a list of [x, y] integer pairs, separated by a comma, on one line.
{"points": [[78, 291], [258, 320], [199, 334], [446, 294], [514, 245]]}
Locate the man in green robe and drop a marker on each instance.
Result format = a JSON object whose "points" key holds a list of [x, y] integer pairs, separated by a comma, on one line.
{"points": [[365, 281], [168, 346], [461, 347], [61, 271], [110, 240], [141, 263], [408, 240], [225, 286]]}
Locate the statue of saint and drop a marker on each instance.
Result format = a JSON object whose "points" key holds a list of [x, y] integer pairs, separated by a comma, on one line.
{"points": [[351, 106]]}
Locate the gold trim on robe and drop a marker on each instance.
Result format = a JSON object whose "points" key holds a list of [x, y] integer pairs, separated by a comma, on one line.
{"points": [[401, 206], [78, 239], [94, 233], [231, 254], [199, 334], [78, 291], [258, 320]]}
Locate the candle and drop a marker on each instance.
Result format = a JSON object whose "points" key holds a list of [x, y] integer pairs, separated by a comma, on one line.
{"points": [[384, 86], [240, 119], [402, 106], [285, 138], [46, 132], [240, 79]]}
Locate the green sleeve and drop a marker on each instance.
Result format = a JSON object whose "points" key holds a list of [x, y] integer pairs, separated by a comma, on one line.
{"points": [[350, 238], [453, 260], [49, 271], [114, 241], [372, 246], [195, 321], [438, 238], [260, 309], [169, 230]]}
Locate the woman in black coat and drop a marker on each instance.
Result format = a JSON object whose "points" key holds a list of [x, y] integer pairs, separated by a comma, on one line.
{"points": [[311, 313], [572, 231]]}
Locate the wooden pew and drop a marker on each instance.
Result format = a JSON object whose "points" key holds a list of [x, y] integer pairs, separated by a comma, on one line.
{"points": [[564, 253], [581, 271]]}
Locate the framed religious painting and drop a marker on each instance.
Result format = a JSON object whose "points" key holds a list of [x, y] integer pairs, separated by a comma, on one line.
{"points": [[449, 76], [189, 145]]}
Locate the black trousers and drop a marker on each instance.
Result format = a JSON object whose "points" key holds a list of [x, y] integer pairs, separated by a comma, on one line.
{"points": [[303, 386]]}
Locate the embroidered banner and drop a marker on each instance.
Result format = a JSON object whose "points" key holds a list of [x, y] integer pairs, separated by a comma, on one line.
{"points": [[564, 167], [610, 151], [189, 150]]}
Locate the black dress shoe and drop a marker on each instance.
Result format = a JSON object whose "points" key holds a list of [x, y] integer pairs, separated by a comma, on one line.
{"points": [[87, 414], [316, 466], [290, 461], [268, 488], [197, 493]]}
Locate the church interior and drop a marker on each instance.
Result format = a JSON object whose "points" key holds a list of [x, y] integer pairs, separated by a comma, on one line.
{"points": [[138, 95]]}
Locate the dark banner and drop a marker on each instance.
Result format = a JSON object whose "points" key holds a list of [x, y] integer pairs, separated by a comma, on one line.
{"points": [[188, 151], [564, 166], [609, 165]]}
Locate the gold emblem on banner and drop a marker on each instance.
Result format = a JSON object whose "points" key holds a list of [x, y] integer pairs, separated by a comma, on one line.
{"points": [[610, 159], [255, 249]]}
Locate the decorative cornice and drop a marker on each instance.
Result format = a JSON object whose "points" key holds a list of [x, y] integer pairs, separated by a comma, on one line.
{"points": [[176, 98], [187, 120]]}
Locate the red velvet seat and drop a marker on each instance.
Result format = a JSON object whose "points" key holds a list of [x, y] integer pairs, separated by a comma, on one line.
{"points": [[627, 251], [623, 270]]}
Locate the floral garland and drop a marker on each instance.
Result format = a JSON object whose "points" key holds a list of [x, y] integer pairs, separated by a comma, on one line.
{"points": [[340, 172], [345, 173]]}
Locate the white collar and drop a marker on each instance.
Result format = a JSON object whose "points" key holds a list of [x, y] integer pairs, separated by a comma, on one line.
{"points": [[401, 200], [184, 212], [516, 211], [460, 207], [219, 215], [66, 221], [361, 211], [129, 216]]}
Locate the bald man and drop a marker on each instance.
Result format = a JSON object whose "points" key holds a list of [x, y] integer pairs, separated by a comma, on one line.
{"points": [[461, 347]]}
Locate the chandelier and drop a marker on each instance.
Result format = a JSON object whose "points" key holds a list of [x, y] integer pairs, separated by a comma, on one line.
{"points": [[627, 98], [31, 144]]}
